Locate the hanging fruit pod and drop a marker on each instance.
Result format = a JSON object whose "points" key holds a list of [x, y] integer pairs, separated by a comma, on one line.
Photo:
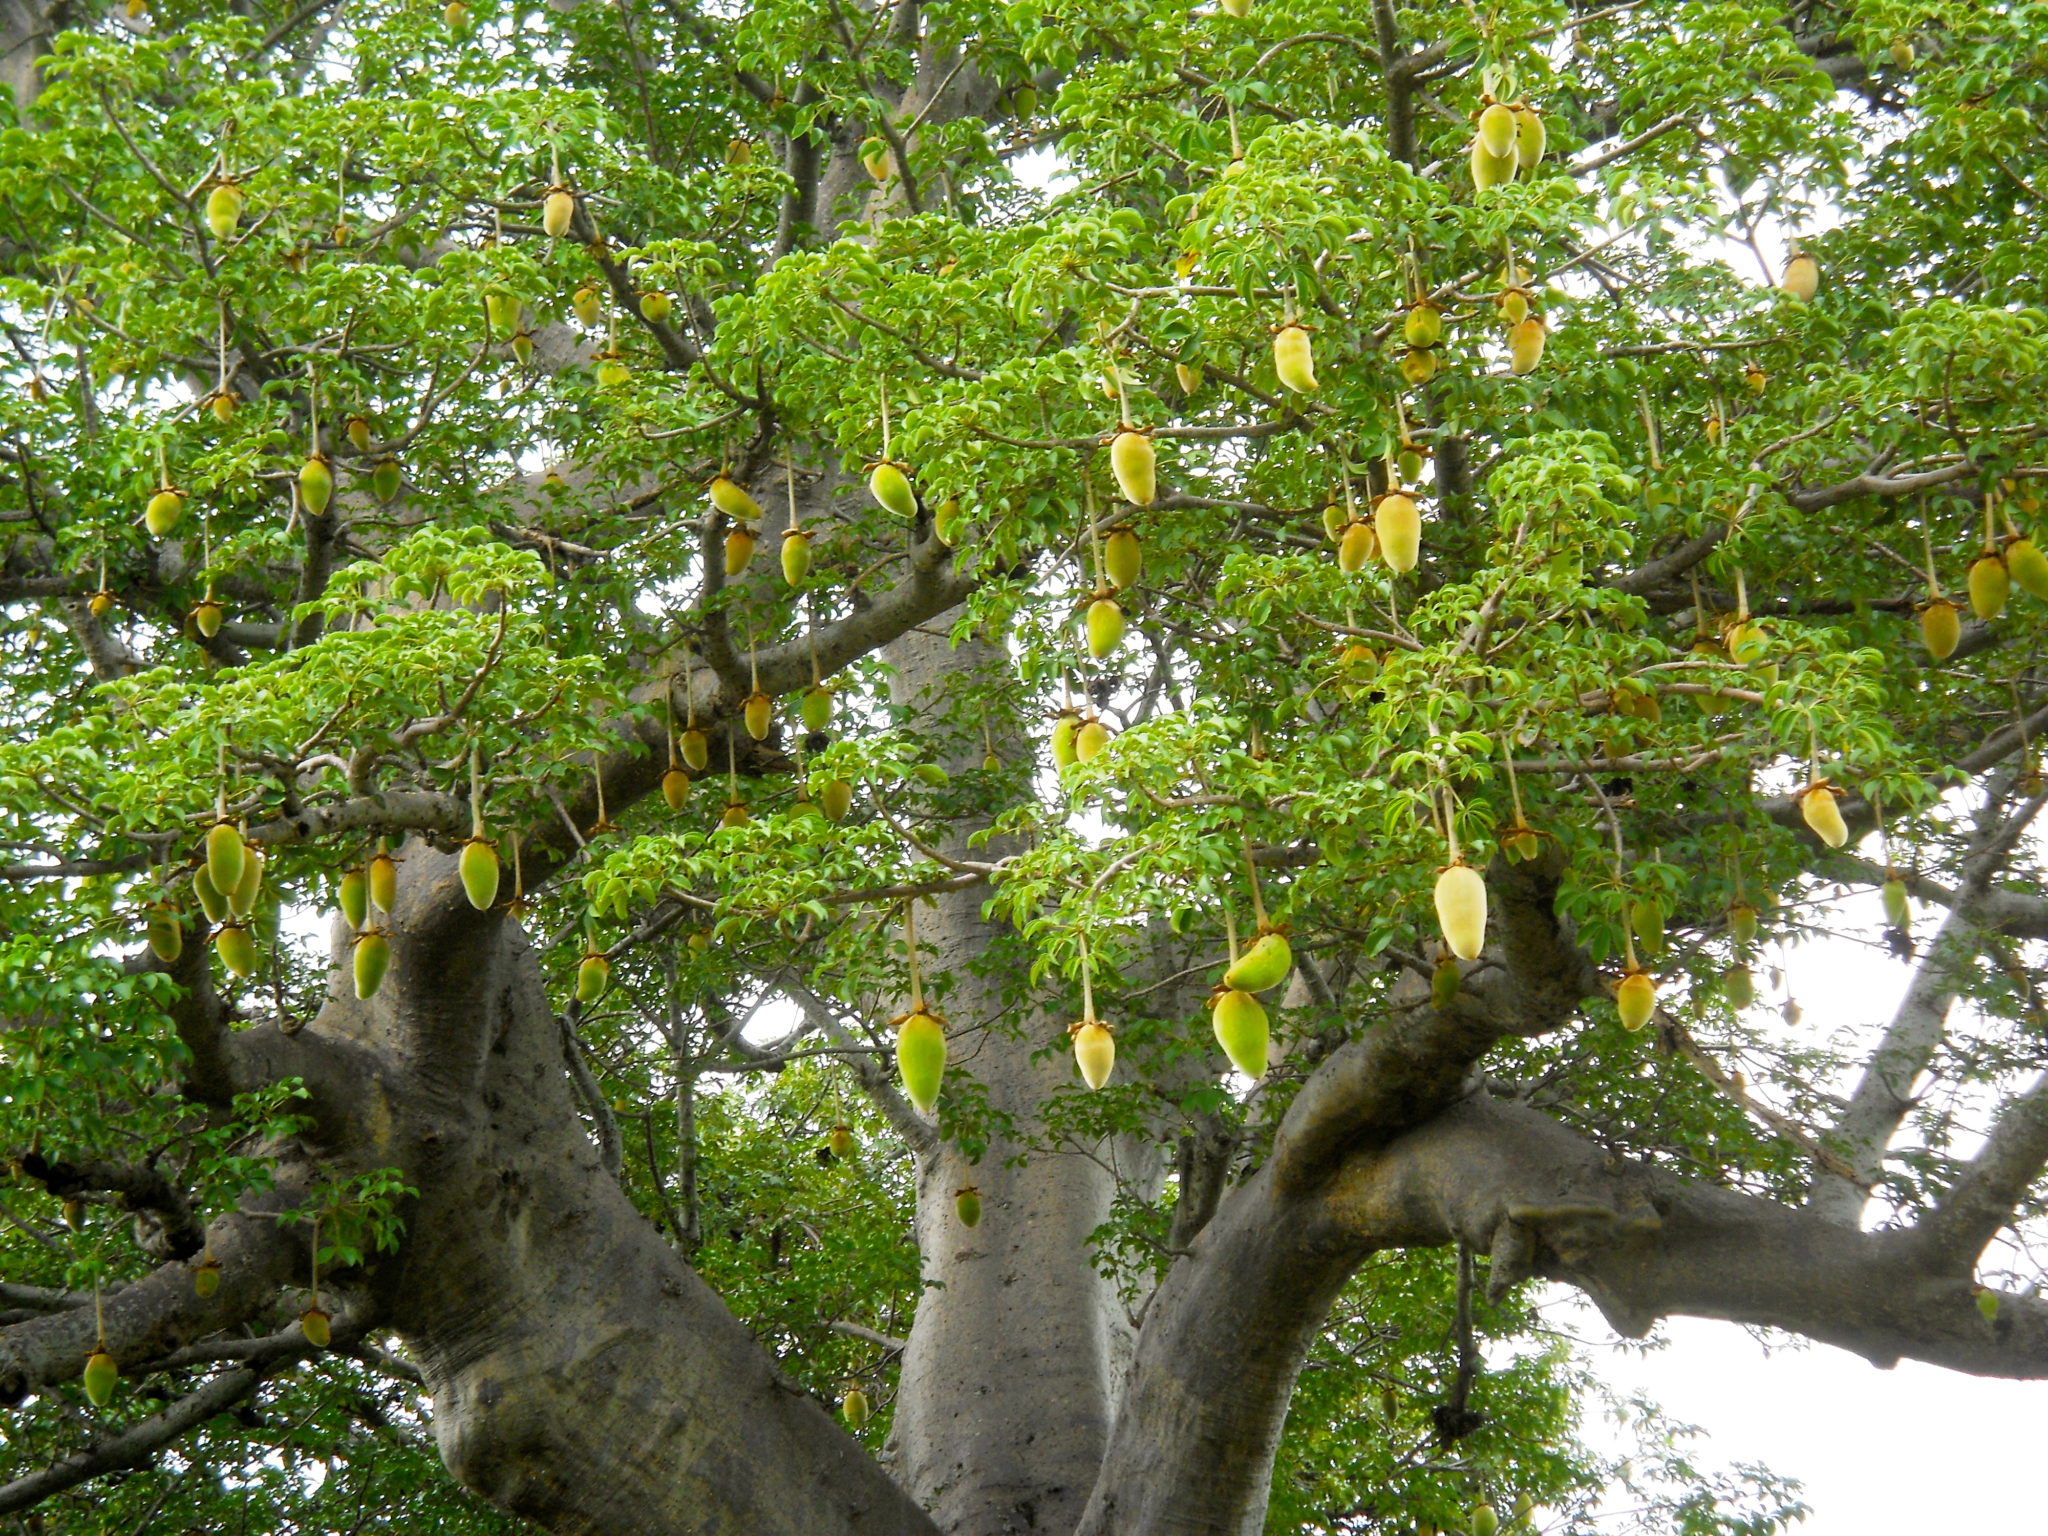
{"points": [[1293, 360], [967, 1206], [815, 708], [236, 947], [675, 788], [1746, 641], [1530, 136], [163, 511], [588, 307], [2027, 566], [1497, 129], [206, 1277], [358, 430], [206, 617], [739, 549], [1105, 625], [593, 973], [1423, 324], [455, 17], [1520, 842], [1357, 666], [840, 1140], [1488, 169], [1444, 982], [875, 158], [222, 403], [1094, 1050], [611, 369], [1738, 985], [211, 901], [522, 353], [1483, 1520], [99, 1377], [242, 899], [165, 934], [1525, 344], [1135, 463], [889, 484], [1461, 909], [317, 1326], [224, 206], [1941, 627], [696, 748], [383, 881], [796, 555], [479, 869], [835, 799], [1335, 520], [1755, 378], [854, 1406], [1818, 808], [1990, 586], [1742, 922], [1089, 740], [225, 854], [557, 211], [1188, 376], [656, 306], [1122, 556], [1898, 911], [1064, 726], [1357, 546], [948, 522], [1646, 920], [385, 478], [1398, 522], [735, 814], [1418, 365], [921, 1056], [1635, 999], [1241, 1029], [100, 603], [1802, 277], [759, 715], [1263, 965], [731, 498], [316, 484], [372, 960]]}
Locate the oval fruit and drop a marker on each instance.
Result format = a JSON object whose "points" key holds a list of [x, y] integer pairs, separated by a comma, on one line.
{"points": [[1105, 627], [735, 814], [163, 512], [796, 556], [1802, 277], [588, 307], [384, 478], [967, 1206], [1898, 910], [237, 949], [890, 487], [166, 937], [593, 971], [656, 305], [1188, 376], [1355, 549], [383, 881], [1398, 522], [242, 899], [835, 799], [372, 960], [206, 617], [225, 855], [355, 898], [557, 212], [696, 748], [316, 484], [317, 1327], [1094, 1052], [1264, 965], [1490, 170], [1941, 628], [1293, 359], [815, 708], [1742, 923], [1738, 985], [1239, 1020], [1525, 345], [205, 1278], [1635, 999], [1646, 917], [855, 1406], [1063, 730], [921, 1057], [948, 522], [1990, 586], [1818, 809], [840, 1140], [1090, 739], [1497, 129], [1135, 464], [211, 902], [1423, 325], [1530, 136], [1418, 366], [2028, 567], [100, 1375], [675, 788], [479, 868], [759, 714], [731, 498], [1444, 982], [1461, 910], [739, 550], [224, 209], [1122, 557]]}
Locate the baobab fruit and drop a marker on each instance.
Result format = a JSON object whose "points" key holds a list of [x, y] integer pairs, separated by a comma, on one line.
{"points": [[675, 788], [479, 868], [205, 1277], [225, 855], [588, 307], [855, 1407], [236, 947], [242, 899], [1398, 523], [502, 311], [383, 881], [1122, 556], [74, 1215], [1335, 521], [1461, 909], [384, 478], [695, 747], [372, 959], [735, 814], [1105, 626], [1135, 465], [593, 971], [611, 369], [100, 603], [759, 715], [1423, 325], [1746, 641], [163, 511], [1990, 586], [206, 617], [1635, 999], [2027, 566], [1484, 1521], [874, 158], [1444, 982], [224, 208], [1755, 378], [1802, 277], [889, 484], [1742, 923], [948, 522], [166, 937], [1898, 910], [796, 555], [1525, 344], [1941, 628], [316, 484], [815, 708], [1520, 842], [921, 1057], [1094, 1051], [455, 17], [1488, 169], [1293, 361], [656, 305], [1188, 376], [1497, 129], [739, 549], [100, 1375], [835, 799], [1817, 808], [1241, 1029], [1238, 8], [1418, 366], [967, 1206], [1090, 739], [840, 1140], [1264, 965], [1530, 136], [522, 353], [358, 430], [557, 211], [211, 902], [317, 1327], [1356, 548], [1646, 917], [1410, 459], [1064, 727], [1738, 985]]}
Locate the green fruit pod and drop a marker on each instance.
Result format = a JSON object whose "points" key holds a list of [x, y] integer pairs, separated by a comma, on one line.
{"points": [[815, 708], [731, 498], [759, 715], [796, 555], [478, 866], [372, 961], [1135, 463], [1063, 731], [1293, 359], [1241, 1029], [317, 1327], [967, 1206], [100, 1375], [225, 855], [1531, 138], [1122, 557], [696, 748], [675, 788], [224, 209], [840, 1140], [1990, 586], [242, 899], [1738, 984], [656, 306], [589, 308], [166, 936], [921, 1057], [949, 522], [1356, 547], [354, 897], [206, 617], [557, 212], [1646, 917], [1090, 739], [739, 550], [890, 486], [383, 881], [1423, 324], [593, 972], [1525, 344], [2028, 567], [1817, 808], [1094, 1051], [237, 948], [1262, 966], [855, 1407], [1398, 524], [1105, 626], [1635, 1000], [1497, 129], [1898, 911], [316, 484], [1461, 910], [385, 478], [163, 512], [835, 799], [1802, 278], [1742, 923], [1490, 170], [1484, 1521], [211, 902]]}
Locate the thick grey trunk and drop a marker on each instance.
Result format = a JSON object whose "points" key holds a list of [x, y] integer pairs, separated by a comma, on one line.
{"points": [[1007, 1387]]}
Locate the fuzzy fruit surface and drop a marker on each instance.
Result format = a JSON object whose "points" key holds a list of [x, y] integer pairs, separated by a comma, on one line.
{"points": [[967, 1207], [731, 498], [890, 487], [796, 556], [1094, 1052], [237, 949], [1818, 809], [100, 1375], [1264, 965], [480, 871], [1398, 522], [1293, 359], [225, 855], [1105, 626], [1136, 466], [592, 972], [1461, 910], [1122, 558], [1635, 1000], [1241, 1029], [921, 1058], [372, 960], [383, 882]]}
